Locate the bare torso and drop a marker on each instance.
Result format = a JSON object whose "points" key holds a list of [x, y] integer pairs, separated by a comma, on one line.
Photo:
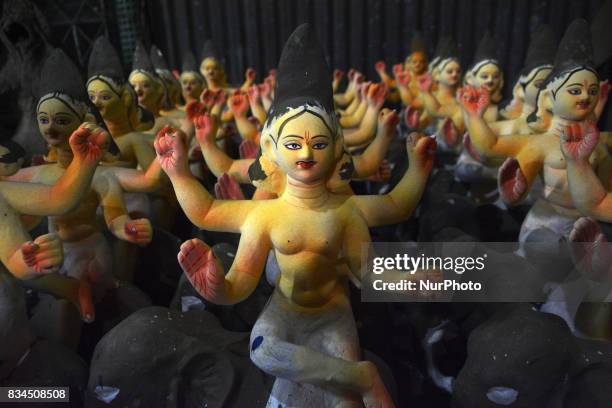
{"points": [[554, 172], [308, 245], [79, 223]]}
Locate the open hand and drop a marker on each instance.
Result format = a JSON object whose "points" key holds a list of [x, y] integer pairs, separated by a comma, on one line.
{"points": [[512, 183], [203, 269], [248, 149], [206, 127], [474, 100], [207, 97], [227, 188], [194, 109], [424, 82], [579, 140]]}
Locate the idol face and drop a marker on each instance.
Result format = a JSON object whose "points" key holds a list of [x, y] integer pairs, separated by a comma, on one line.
{"points": [[192, 85], [148, 90], [105, 99], [418, 63], [211, 70], [450, 74], [533, 85], [488, 77], [56, 122], [576, 97], [304, 147]]}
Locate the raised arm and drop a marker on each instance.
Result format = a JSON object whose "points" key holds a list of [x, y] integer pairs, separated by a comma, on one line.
{"points": [[588, 193], [216, 159], [474, 103], [356, 102], [205, 272], [344, 99], [381, 70], [367, 128], [604, 92], [239, 104], [353, 120], [403, 83], [88, 143], [398, 204], [368, 163], [199, 206], [139, 181], [431, 104], [338, 75], [249, 80], [256, 105]]}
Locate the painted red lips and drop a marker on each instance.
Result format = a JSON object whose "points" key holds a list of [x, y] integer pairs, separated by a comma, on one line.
{"points": [[305, 164], [583, 104]]}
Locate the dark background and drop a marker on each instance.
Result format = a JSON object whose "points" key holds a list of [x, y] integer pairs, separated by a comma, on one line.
{"points": [[355, 33]]}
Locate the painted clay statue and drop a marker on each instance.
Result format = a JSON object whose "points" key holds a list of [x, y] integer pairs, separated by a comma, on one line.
{"points": [[87, 257], [172, 85], [16, 198], [150, 89], [21, 256], [481, 170], [212, 69], [593, 199], [316, 228], [356, 167], [442, 104], [570, 92], [117, 103], [590, 193], [590, 196], [538, 64], [345, 98], [486, 73], [192, 82], [415, 67]]}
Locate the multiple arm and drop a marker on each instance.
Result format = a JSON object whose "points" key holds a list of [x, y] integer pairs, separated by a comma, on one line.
{"points": [[398, 204], [88, 144], [199, 206], [588, 193], [216, 159], [368, 163]]}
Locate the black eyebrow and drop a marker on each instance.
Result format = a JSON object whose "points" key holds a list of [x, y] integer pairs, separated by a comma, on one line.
{"points": [[300, 137], [314, 137], [575, 83]]}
